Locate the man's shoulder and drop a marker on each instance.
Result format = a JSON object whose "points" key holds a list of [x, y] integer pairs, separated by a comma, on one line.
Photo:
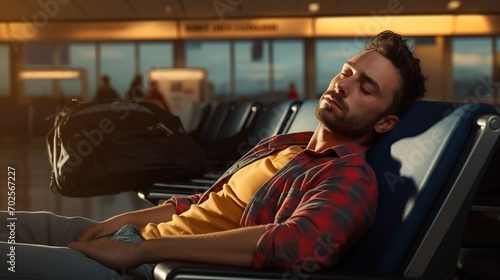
{"points": [[350, 149]]}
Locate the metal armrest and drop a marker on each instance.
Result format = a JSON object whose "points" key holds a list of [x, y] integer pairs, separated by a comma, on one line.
{"points": [[160, 192], [175, 270]]}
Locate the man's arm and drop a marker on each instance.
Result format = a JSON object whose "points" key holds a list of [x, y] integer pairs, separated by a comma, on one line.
{"points": [[140, 218], [327, 222], [232, 247]]}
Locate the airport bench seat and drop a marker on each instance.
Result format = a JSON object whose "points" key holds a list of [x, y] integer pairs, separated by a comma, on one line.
{"points": [[428, 170], [275, 118], [233, 128]]}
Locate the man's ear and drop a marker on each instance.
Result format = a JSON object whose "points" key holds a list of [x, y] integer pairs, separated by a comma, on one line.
{"points": [[386, 123]]}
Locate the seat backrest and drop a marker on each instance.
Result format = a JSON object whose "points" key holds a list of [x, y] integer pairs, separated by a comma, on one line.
{"points": [[415, 164], [275, 118], [200, 118], [239, 120], [215, 119], [194, 114], [305, 119]]}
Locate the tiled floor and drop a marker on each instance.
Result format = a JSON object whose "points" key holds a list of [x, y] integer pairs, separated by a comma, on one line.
{"points": [[32, 176]]}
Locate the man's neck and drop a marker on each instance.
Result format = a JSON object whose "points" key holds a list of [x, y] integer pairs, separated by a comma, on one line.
{"points": [[323, 139]]}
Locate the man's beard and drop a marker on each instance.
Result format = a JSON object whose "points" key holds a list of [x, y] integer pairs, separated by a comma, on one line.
{"points": [[344, 124]]}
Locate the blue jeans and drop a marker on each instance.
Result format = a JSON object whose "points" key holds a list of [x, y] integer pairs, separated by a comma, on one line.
{"points": [[40, 251], [130, 234]]}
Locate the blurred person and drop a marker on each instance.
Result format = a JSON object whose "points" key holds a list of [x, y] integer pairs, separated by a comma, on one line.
{"points": [[155, 95], [292, 92], [136, 90], [106, 91]]}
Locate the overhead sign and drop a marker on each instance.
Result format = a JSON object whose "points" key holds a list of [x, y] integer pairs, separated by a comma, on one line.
{"points": [[246, 28]]}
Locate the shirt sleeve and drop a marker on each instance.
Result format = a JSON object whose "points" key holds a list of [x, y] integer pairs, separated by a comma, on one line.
{"points": [[329, 219]]}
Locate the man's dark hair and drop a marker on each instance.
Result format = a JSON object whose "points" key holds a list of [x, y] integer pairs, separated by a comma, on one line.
{"points": [[395, 48]]}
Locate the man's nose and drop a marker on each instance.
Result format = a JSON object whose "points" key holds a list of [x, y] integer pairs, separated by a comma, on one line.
{"points": [[341, 88]]}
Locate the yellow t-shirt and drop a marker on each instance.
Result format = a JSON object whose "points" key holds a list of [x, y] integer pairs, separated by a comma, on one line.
{"points": [[223, 209]]}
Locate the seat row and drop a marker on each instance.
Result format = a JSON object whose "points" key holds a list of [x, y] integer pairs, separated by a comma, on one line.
{"points": [[224, 125], [229, 132]]}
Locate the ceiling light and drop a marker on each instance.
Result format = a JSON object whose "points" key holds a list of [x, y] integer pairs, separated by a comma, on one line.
{"points": [[49, 74], [176, 74], [314, 7], [453, 5]]}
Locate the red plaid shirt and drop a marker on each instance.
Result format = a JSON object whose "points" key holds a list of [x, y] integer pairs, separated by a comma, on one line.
{"points": [[315, 208]]}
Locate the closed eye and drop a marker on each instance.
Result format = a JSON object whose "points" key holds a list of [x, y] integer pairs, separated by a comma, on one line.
{"points": [[346, 72], [368, 83], [366, 90]]}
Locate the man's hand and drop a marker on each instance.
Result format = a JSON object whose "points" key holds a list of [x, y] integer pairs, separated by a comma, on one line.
{"points": [[101, 229], [140, 218], [113, 254]]}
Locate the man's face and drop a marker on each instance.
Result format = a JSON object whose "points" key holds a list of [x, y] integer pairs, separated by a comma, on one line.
{"points": [[357, 98]]}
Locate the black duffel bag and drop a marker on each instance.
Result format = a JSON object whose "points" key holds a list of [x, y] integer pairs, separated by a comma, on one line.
{"points": [[107, 147]]}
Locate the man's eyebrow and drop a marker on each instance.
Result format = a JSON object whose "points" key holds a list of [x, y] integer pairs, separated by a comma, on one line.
{"points": [[364, 76]]}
